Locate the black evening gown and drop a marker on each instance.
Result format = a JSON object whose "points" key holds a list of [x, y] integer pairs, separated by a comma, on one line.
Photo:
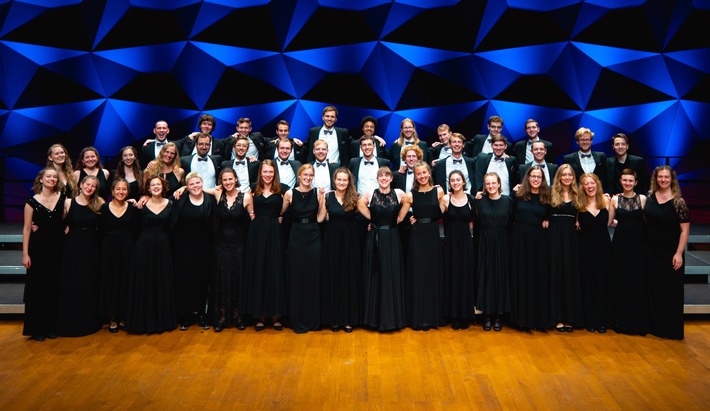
{"points": [[666, 284], [227, 287], [78, 301], [493, 218], [103, 189], [264, 269], [383, 267], [192, 228], [304, 262], [173, 183], [134, 191], [459, 263], [116, 259], [424, 278], [151, 299], [630, 275], [42, 278], [530, 269], [565, 280], [341, 292], [595, 268]]}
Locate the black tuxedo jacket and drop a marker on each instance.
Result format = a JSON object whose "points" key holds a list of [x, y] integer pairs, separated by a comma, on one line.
{"points": [[257, 138], [344, 139], [599, 169], [399, 180], [380, 151], [521, 147], [252, 169], [551, 168], [636, 163], [187, 145], [186, 164], [474, 146], [481, 166], [396, 154], [440, 176], [354, 166], [295, 165]]}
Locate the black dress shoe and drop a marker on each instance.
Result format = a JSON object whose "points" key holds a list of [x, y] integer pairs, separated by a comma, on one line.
{"points": [[37, 338], [348, 329], [569, 328], [497, 326], [487, 325], [259, 326], [184, 326], [334, 328], [113, 330], [241, 326], [52, 335], [591, 330], [560, 328], [602, 330], [278, 326], [203, 323]]}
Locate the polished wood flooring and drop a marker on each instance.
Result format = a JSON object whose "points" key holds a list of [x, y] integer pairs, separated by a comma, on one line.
{"points": [[434, 370]]}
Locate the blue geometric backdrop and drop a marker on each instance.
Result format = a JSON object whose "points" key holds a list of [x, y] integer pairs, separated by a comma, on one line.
{"points": [[102, 72]]}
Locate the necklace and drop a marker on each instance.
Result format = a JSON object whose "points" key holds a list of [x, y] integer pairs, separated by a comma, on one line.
{"points": [[303, 194]]}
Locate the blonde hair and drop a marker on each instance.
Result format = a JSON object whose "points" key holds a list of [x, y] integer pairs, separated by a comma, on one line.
{"points": [[557, 196], [95, 202], [675, 187], [598, 196]]}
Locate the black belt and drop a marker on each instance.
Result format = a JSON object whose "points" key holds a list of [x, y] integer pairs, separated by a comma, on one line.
{"points": [[382, 227], [424, 220], [304, 220], [562, 215]]}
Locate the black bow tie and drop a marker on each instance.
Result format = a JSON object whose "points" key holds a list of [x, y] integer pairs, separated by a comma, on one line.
{"points": [[284, 162], [409, 171], [369, 163], [327, 131], [489, 140], [409, 143], [160, 143], [239, 163], [540, 165], [498, 158], [586, 156], [201, 159], [459, 161], [318, 164]]}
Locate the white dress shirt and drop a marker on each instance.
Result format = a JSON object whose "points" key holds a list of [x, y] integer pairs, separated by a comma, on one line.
{"points": [[499, 167], [242, 170], [321, 175], [205, 168], [332, 140], [367, 175]]}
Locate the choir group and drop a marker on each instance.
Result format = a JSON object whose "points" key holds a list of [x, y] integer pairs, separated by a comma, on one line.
{"points": [[341, 233]]}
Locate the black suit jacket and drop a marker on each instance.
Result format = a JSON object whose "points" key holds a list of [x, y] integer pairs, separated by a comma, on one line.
{"points": [[295, 165], [344, 139], [474, 146], [187, 145], [186, 164], [260, 142], [354, 166], [636, 163], [481, 166], [599, 169], [396, 154], [399, 180], [521, 147], [380, 151], [252, 169], [440, 176], [551, 168]]}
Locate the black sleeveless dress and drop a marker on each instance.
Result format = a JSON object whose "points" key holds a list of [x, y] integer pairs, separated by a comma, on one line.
{"points": [[383, 268], [565, 280], [424, 302], [103, 189], [78, 301], [304, 262], [459, 263], [341, 294], [227, 288], [42, 278], [595, 268], [173, 183], [493, 218]]}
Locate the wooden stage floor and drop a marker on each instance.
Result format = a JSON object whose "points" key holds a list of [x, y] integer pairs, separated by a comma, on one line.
{"points": [[406, 370]]}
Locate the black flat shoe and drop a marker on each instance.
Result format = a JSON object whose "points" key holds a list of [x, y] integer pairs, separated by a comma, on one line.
{"points": [[203, 323], [487, 325], [219, 327], [39, 338], [113, 330], [184, 327], [278, 326], [560, 328], [334, 328], [497, 326], [348, 329], [591, 330], [259, 326], [569, 328], [241, 326], [601, 330]]}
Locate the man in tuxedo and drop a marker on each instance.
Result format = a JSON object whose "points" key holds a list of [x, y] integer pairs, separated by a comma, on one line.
{"points": [[207, 166], [505, 166], [456, 161], [522, 150], [247, 171], [323, 171], [283, 132], [539, 150], [151, 148], [338, 139], [286, 169], [368, 126], [257, 142], [207, 123], [441, 149], [408, 136], [585, 160], [365, 168], [622, 160], [481, 143]]}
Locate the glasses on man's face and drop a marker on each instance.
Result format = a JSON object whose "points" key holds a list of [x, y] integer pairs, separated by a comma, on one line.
{"points": [[535, 177]]}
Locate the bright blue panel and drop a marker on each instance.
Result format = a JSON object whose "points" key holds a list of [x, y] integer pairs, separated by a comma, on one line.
{"points": [[20, 129], [343, 59], [140, 118], [156, 58], [302, 13], [651, 71], [40, 54], [420, 56], [229, 55], [698, 115], [17, 72], [388, 74], [302, 76], [208, 15], [353, 5], [515, 114], [630, 118], [113, 130], [494, 10], [239, 3], [616, 4], [699, 58], [113, 12], [428, 4], [526, 60], [82, 70], [495, 77], [272, 70], [114, 76], [607, 56], [198, 73], [164, 5], [544, 5], [62, 116], [399, 14]]}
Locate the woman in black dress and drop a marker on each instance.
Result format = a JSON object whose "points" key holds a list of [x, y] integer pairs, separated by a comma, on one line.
{"points": [[668, 225], [41, 250], [58, 158], [151, 300], [341, 294], [192, 224], [630, 298], [226, 302], [264, 270], [78, 301], [307, 211], [459, 257], [424, 284], [530, 269], [89, 164], [383, 267], [494, 214], [129, 169], [565, 281], [118, 225], [167, 166], [595, 254]]}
